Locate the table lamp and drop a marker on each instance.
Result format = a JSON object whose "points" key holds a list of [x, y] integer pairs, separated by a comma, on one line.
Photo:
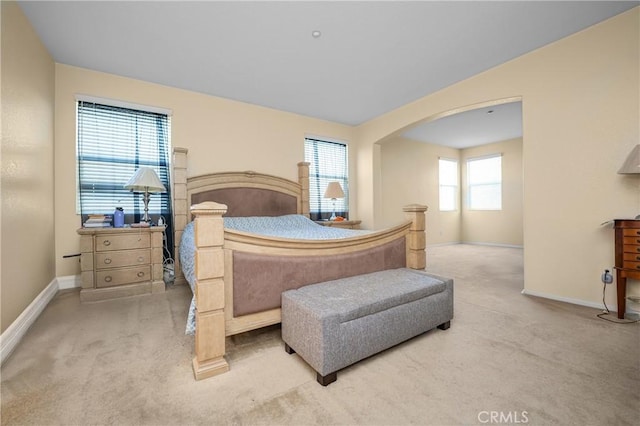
{"points": [[145, 180], [631, 165], [334, 191]]}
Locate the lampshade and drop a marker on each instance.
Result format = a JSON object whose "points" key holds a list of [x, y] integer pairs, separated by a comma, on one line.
{"points": [[145, 179], [334, 190], [632, 163]]}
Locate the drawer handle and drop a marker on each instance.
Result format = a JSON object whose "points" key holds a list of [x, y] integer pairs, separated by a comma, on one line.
{"points": [[140, 274], [108, 278], [637, 257], [106, 242], [141, 259], [107, 261]]}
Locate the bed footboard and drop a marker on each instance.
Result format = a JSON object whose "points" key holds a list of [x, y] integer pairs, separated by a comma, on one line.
{"points": [[214, 273]]}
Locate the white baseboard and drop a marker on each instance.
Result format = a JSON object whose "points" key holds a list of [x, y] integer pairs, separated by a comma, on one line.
{"points": [[479, 243], [596, 305], [69, 281], [450, 243], [14, 333], [476, 243]]}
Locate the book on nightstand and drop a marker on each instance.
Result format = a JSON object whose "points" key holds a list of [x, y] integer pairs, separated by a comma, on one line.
{"points": [[98, 221]]}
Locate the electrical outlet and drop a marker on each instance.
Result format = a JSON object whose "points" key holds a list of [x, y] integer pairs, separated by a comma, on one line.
{"points": [[606, 277]]}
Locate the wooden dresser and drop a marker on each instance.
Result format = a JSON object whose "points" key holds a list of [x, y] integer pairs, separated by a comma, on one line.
{"points": [[627, 257], [119, 262]]}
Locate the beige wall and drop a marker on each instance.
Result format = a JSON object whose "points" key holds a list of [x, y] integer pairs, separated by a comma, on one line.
{"points": [[221, 135], [581, 106], [503, 226], [28, 263], [410, 175]]}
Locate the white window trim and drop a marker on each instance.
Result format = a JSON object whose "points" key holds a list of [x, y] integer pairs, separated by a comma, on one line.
{"points": [[122, 104], [325, 138]]}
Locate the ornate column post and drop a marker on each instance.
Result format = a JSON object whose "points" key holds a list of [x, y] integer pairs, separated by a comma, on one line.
{"points": [[180, 210], [303, 180], [416, 239], [209, 290]]}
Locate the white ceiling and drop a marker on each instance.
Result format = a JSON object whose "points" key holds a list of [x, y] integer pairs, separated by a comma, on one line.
{"points": [[371, 58], [472, 128]]}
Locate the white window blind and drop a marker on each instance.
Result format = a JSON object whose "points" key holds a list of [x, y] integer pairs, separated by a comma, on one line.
{"points": [[112, 143], [484, 177], [448, 179], [328, 163]]}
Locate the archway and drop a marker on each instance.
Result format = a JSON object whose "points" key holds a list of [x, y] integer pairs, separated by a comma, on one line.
{"points": [[409, 173]]}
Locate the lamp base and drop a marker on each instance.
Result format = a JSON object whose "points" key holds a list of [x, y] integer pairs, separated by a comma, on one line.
{"points": [[333, 215], [146, 217]]}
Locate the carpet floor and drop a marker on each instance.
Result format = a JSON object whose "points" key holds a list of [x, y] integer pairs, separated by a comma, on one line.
{"points": [[507, 358]]}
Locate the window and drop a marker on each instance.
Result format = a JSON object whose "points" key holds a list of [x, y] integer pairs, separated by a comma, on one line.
{"points": [[327, 163], [484, 178], [448, 177], [112, 142]]}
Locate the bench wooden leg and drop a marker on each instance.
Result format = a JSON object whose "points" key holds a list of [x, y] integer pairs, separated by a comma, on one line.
{"points": [[328, 379], [288, 349], [445, 325]]}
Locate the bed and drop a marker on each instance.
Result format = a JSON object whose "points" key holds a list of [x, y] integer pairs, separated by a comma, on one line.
{"points": [[237, 270]]}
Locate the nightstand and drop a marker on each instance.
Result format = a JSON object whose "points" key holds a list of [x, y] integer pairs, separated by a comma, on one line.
{"points": [[346, 224], [120, 262]]}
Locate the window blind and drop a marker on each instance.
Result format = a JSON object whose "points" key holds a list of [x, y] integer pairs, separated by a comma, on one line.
{"points": [[113, 142], [328, 162]]}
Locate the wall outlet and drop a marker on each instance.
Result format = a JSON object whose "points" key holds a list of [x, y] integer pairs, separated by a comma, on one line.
{"points": [[606, 277]]}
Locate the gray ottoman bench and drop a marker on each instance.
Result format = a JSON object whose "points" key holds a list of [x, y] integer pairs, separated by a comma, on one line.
{"points": [[334, 324]]}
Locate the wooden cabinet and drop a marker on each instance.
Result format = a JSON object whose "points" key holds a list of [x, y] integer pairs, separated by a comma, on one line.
{"points": [[346, 224], [627, 233], [119, 262]]}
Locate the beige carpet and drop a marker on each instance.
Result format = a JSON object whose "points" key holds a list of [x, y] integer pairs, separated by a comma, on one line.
{"points": [[528, 360]]}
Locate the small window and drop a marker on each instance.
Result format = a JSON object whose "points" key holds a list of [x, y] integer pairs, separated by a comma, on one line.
{"points": [[328, 162], [484, 178], [448, 177]]}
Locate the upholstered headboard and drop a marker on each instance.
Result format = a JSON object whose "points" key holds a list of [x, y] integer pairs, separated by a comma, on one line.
{"points": [[242, 201], [248, 193]]}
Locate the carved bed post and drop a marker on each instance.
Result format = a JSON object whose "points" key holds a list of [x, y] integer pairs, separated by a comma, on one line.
{"points": [[416, 239], [303, 180], [180, 210], [209, 290]]}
